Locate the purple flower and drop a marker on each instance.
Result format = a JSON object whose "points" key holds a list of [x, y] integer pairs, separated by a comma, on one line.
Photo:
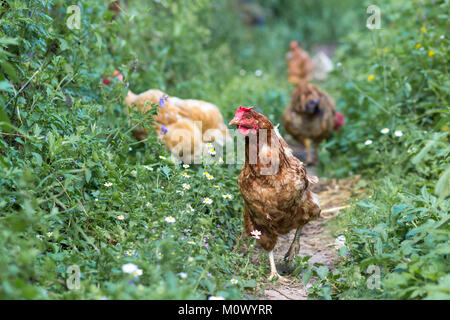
{"points": [[61, 178], [153, 230], [218, 226], [13, 199], [218, 211], [162, 103], [164, 129]]}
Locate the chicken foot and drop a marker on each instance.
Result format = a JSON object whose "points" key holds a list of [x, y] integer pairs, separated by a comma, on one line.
{"points": [[294, 249], [273, 270]]}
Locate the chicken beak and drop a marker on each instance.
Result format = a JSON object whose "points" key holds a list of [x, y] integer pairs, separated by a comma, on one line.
{"points": [[234, 122]]}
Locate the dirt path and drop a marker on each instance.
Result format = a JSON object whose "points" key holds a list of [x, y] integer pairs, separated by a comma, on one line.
{"points": [[315, 240]]}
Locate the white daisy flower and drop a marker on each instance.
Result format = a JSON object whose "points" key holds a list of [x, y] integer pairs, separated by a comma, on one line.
{"points": [[234, 281], [129, 268], [209, 177], [121, 217], [206, 173], [256, 234], [170, 219], [183, 275], [217, 187], [186, 166], [148, 168], [108, 184], [368, 142], [49, 234], [212, 151], [191, 209], [216, 298], [162, 157], [190, 242], [384, 130], [398, 133], [209, 145], [148, 204], [220, 160], [207, 201], [227, 196], [184, 174], [186, 186], [138, 273]]}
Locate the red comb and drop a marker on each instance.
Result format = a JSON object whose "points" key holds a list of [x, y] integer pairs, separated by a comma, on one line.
{"points": [[241, 108]]}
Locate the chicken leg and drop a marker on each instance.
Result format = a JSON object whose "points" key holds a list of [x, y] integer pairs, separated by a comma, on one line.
{"points": [[309, 157], [273, 270], [294, 249]]}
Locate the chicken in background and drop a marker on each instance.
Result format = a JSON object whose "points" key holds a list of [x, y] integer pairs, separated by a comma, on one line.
{"points": [[277, 201], [252, 13], [300, 64], [311, 117], [184, 125], [322, 66]]}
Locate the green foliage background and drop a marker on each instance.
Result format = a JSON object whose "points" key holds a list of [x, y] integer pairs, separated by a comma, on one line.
{"points": [[65, 134]]}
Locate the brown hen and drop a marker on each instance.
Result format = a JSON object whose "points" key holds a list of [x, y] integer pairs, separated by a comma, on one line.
{"points": [[274, 185], [300, 64], [311, 116]]}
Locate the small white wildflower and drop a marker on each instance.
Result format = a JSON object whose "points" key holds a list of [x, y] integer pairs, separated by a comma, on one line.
{"points": [[129, 268], [209, 177], [148, 168], [216, 298], [207, 201], [190, 242], [186, 186], [384, 130], [398, 133], [121, 217], [138, 273], [256, 234], [212, 151], [184, 174], [339, 64], [220, 161], [368, 142], [162, 157], [49, 234], [258, 73], [191, 209], [148, 204], [183, 275], [186, 166], [234, 281], [170, 219], [108, 184], [227, 196]]}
